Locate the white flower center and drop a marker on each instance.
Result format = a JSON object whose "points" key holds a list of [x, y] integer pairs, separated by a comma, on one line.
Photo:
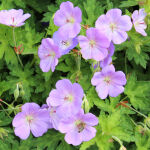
{"points": [[70, 20], [113, 26], [92, 43], [80, 125], [29, 118], [69, 98], [107, 80]]}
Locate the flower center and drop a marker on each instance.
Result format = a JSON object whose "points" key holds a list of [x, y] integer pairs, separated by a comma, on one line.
{"points": [[68, 98], [80, 125], [52, 54], [113, 26], [107, 80], [70, 20], [66, 43], [29, 118], [92, 43], [52, 111]]}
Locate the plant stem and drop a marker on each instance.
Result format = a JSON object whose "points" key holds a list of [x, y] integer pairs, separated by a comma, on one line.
{"points": [[118, 140], [16, 46], [138, 112]]}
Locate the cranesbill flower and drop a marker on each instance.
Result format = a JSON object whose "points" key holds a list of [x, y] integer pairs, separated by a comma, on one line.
{"points": [[49, 54], [114, 25], [13, 17], [67, 97], [108, 59], [33, 119], [109, 82], [78, 128], [94, 45], [64, 45], [138, 21], [68, 18], [54, 117]]}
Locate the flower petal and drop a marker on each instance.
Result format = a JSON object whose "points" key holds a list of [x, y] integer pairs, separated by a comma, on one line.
{"points": [[22, 131]]}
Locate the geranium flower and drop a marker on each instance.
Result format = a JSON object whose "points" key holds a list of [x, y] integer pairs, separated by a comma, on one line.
{"points": [[49, 54], [94, 45], [33, 119], [78, 128], [13, 17], [67, 97], [109, 82], [54, 119], [138, 21], [114, 25], [68, 18], [107, 61], [64, 45]]}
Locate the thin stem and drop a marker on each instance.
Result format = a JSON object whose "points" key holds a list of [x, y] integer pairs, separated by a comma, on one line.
{"points": [[126, 63], [16, 46], [123, 98], [5, 103], [138, 112], [118, 140], [78, 61], [5, 111]]}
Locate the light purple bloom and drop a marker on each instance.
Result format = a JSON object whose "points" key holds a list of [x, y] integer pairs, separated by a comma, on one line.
{"points": [[49, 54], [64, 45], [54, 119], [94, 45], [78, 128], [67, 97], [138, 21], [109, 82], [13, 17], [107, 61], [33, 119], [114, 25], [68, 18]]}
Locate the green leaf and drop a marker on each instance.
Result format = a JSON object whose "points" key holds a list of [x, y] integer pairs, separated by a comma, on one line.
{"points": [[138, 93]]}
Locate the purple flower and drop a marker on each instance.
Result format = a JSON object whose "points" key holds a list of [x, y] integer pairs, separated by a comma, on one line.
{"points": [[67, 97], [54, 116], [94, 45], [31, 118], [64, 45], [107, 61], [78, 128], [109, 82], [68, 18], [138, 21], [49, 54], [114, 25], [13, 17]]}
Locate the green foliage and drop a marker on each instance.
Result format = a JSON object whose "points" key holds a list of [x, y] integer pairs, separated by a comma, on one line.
{"points": [[138, 93], [118, 121]]}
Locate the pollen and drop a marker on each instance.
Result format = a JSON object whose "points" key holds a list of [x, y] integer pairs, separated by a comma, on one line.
{"points": [[29, 118], [107, 80], [80, 125], [92, 43], [113, 26]]}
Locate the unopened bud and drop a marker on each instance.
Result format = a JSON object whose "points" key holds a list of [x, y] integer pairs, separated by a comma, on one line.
{"points": [[85, 105], [122, 148], [22, 93], [16, 93]]}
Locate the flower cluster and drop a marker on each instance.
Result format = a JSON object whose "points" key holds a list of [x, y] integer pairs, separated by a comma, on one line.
{"points": [[62, 112]]}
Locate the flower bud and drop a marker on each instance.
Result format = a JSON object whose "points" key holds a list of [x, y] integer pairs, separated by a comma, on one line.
{"points": [[16, 93], [122, 148]]}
